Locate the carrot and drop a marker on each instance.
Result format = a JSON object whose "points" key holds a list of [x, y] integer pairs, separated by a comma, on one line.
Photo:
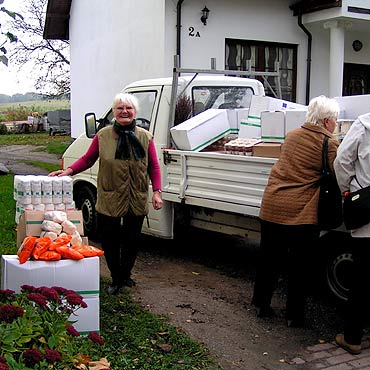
{"points": [[69, 253], [50, 256], [25, 250], [88, 250]]}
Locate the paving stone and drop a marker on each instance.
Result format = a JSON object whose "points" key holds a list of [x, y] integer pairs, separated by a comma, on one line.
{"points": [[339, 367], [320, 347]]}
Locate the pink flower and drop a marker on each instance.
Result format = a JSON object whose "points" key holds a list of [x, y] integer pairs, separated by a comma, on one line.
{"points": [[9, 313], [4, 367], [5, 294], [50, 293], [72, 331], [60, 290], [31, 357], [75, 299], [28, 288], [52, 356], [95, 337], [38, 299]]}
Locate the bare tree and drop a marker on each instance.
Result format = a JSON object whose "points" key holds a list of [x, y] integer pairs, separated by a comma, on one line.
{"points": [[50, 58], [6, 36]]}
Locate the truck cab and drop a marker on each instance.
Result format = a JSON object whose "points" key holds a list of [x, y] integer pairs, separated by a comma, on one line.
{"points": [[154, 114]]}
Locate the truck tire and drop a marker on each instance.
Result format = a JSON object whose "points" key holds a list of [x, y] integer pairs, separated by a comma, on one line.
{"points": [[339, 264], [85, 201]]}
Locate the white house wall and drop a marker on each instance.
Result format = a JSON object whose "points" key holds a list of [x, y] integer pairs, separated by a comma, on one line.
{"points": [[239, 19], [116, 42]]}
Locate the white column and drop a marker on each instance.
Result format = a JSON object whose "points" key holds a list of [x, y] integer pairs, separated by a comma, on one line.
{"points": [[336, 55]]}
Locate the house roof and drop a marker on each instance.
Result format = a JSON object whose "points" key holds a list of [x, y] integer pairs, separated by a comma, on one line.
{"points": [[57, 20], [309, 6]]}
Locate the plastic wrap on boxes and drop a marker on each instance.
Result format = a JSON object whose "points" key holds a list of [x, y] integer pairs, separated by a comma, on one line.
{"points": [[44, 192]]}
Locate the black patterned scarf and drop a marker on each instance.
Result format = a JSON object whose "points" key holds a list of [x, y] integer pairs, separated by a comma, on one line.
{"points": [[126, 140]]}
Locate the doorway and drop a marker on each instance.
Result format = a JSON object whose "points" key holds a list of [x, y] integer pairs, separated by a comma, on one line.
{"points": [[356, 79]]}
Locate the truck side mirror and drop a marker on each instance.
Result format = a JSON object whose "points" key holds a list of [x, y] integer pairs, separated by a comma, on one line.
{"points": [[90, 125]]}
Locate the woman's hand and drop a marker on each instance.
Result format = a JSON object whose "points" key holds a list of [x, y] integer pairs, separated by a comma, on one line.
{"points": [[157, 200], [67, 172]]}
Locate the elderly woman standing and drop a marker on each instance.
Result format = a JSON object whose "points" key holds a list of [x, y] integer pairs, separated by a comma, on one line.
{"points": [[352, 168], [127, 159], [289, 207]]}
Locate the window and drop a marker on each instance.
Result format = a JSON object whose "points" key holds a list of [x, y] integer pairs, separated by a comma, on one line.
{"points": [[205, 97], [260, 56]]}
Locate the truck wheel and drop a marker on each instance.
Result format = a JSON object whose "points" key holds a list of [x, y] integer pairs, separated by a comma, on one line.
{"points": [[85, 201], [339, 263], [338, 273]]}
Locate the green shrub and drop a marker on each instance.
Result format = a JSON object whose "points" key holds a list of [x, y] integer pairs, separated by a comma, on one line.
{"points": [[3, 129]]}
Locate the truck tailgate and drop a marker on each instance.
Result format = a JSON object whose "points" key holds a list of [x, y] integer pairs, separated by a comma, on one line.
{"points": [[227, 182]]}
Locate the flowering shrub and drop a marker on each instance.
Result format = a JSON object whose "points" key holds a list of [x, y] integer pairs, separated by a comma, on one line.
{"points": [[36, 331]]}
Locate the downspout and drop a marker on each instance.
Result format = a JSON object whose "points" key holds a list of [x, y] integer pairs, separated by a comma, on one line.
{"points": [[309, 46], [178, 31]]}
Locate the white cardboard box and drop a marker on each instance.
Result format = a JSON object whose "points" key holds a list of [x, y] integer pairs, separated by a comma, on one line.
{"points": [[294, 118], [201, 130], [82, 276], [248, 127], [88, 318], [273, 126], [353, 106], [263, 103], [252, 125]]}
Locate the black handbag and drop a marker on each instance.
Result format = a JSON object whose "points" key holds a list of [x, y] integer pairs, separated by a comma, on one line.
{"points": [[356, 208], [330, 214]]}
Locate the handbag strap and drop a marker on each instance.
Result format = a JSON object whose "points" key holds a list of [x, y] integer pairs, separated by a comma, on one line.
{"points": [[358, 182], [325, 165]]}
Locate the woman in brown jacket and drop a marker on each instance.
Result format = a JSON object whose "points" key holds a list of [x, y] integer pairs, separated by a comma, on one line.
{"points": [[288, 211]]}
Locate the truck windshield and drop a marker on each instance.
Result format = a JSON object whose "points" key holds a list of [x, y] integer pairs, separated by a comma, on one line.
{"points": [[146, 101], [221, 97]]}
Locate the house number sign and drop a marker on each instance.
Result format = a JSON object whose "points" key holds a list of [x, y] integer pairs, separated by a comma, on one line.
{"points": [[193, 33]]}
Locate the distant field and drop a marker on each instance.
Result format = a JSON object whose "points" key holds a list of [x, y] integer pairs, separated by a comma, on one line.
{"points": [[21, 110], [40, 106]]}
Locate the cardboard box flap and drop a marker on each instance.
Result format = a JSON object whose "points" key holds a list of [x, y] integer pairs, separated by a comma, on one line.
{"points": [[30, 223]]}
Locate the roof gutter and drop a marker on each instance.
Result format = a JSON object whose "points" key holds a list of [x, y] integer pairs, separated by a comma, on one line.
{"points": [[178, 31], [309, 53]]}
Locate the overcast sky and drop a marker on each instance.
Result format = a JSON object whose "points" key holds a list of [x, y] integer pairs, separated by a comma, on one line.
{"points": [[12, 81]]}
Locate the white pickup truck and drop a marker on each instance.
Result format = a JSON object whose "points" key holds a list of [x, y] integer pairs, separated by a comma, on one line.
{"points": [[208, 190]]}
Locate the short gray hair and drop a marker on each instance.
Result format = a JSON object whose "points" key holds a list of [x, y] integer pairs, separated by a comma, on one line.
{"points": [[320, 108], [126, 98]]}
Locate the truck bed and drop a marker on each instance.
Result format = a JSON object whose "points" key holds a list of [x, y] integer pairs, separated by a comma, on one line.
{"points": [[216, 180]]}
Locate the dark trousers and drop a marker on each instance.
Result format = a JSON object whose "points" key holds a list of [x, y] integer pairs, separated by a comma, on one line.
{"points": [[120, 239], [285, 246], [358, 305]]}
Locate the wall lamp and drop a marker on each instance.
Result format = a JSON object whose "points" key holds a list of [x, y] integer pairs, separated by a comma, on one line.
{"points": [[204, 16]]}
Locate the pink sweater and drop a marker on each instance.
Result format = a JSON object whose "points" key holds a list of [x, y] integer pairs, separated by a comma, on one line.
{"points": [[92, 154]]}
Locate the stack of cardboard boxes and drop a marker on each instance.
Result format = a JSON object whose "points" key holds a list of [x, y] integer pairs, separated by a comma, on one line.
{"points": [[82, 276], [266, 121]]}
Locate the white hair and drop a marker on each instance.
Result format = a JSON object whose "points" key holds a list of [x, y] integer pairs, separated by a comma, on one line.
{"points": [[126, 98], [320, 108]]}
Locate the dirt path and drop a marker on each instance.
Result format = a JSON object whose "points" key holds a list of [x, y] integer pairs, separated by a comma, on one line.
{"points": [[212, 306], [11, 156]]}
